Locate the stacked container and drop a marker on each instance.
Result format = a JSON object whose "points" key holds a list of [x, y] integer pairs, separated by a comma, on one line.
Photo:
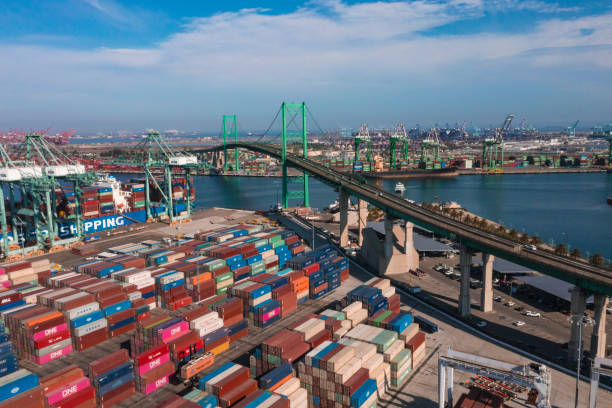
{"points": [[90, 205], [284, 347], [40, 333], [333, 374], [107, 203], [229, 383], [68, 387], [153, 369], [113, 378]]}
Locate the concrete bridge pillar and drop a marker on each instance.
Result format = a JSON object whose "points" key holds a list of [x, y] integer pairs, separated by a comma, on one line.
{"points": [[343, 200], [389, 238], [486, 293], [598, 338], [465, 264], [398, 249], [362, 218], [577, 307]]}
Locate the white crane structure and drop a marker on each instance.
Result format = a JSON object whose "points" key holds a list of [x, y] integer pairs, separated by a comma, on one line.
{"points": [[535, 376]]}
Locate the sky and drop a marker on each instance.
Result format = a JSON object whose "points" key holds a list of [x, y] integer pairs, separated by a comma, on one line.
{"points": [[105, 65]]}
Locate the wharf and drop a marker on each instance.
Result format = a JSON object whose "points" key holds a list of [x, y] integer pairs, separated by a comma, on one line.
{"points": [[533, 170]]}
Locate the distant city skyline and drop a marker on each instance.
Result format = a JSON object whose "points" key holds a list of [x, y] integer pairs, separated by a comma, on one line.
{"points": [[105, 65]]}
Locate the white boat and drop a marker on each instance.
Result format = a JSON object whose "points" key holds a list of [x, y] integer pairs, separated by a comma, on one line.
{"points": [[400, 188], [333, 206]]}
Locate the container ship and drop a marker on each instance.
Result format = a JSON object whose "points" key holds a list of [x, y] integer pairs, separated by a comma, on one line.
{"points": [[413, 173], [106, 204]]}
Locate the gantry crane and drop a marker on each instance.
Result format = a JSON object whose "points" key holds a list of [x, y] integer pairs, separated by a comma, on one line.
{"points": [[430, 147], [571, 130], [33, 174], [534, 376], [158, 155], [399, 137], [363, 138], [493, 148]]}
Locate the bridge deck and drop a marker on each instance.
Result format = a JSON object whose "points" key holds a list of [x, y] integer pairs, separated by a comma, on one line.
{"points": [[590, 277]]}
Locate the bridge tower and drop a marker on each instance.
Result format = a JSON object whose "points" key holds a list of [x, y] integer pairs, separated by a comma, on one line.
{"points": [[363, 137], [399, 137], [230, 128], [291, 129]]}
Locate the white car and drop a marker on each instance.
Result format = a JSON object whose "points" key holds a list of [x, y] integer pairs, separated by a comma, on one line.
{"points": [[510, 303], [530, 247], [532, 313], [519, 323], [498, 298], [481, 324]]}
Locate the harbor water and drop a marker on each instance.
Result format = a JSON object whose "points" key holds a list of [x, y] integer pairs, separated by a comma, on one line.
{"points": [[557, 207]]}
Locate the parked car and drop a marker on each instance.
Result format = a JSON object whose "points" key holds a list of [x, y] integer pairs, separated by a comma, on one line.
{"points": [[531, 313], [481, 323], [509, 303], [519, 323], [530, 247], [497, 298], [519, 308]]}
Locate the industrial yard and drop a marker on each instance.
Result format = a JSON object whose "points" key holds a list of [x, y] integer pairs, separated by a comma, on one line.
{"points": [[420, 388]]}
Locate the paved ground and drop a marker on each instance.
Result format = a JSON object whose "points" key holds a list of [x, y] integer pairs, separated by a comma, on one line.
{"points": [[544, 335], [421, 390]]}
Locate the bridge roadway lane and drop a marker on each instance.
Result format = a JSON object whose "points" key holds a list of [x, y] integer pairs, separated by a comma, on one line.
{"points": [[590, 277]]}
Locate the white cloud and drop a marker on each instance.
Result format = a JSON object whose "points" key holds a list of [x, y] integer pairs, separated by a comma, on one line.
{"points": [[325, 46]]}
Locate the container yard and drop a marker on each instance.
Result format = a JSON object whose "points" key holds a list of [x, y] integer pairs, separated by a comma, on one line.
{"points": [[234, 314]]}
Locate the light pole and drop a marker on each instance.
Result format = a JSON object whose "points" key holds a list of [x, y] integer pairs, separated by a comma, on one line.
{"points": [[580, 322]]}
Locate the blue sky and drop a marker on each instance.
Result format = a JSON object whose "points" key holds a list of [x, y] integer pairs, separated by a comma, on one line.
{"points": [[110, 64]]}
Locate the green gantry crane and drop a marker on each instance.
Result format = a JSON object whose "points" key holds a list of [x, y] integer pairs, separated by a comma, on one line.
{"points": [[159, 155], [430, 148], [493, 148], [32, 175], [363, 139], [400, 137]]}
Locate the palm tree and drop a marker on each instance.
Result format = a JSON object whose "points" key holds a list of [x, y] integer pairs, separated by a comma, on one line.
{"points": [[513, 234], [596, 260], [501, 229], [561, 249], [483, 224], [575, 253], [535, 240]]}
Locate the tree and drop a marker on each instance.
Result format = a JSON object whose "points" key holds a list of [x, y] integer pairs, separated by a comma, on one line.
{"points": [[596, 260], [513, 234], [453, 213], [524, 239], [561, 249], [535, 240], [483, 224], [467, 219], [575, 253], [501, 229]]}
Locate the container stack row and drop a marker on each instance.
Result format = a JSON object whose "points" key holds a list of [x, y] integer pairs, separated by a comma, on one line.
{"points": [[112, 377], [39, 333]]}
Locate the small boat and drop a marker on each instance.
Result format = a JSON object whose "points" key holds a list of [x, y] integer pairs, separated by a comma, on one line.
{"points": [[333, 206], [400, 188]]}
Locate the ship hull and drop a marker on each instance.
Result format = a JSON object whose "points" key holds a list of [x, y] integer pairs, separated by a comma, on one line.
{"points": [[412, 173]]}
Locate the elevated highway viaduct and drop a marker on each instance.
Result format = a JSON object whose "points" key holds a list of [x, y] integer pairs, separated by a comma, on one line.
{"points": [[588, 279]]}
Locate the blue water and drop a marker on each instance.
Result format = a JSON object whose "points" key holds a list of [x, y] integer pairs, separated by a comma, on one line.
{"points": [[557, 207]]}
